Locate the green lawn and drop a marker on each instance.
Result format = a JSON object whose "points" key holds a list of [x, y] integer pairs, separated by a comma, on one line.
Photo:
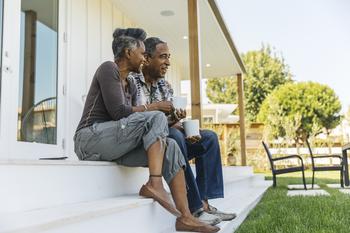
{"points": [[277, 213]]}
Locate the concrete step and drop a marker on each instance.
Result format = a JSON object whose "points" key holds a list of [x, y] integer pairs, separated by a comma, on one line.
{"points": [[122, 214], [42, 184], [129, 213], [234, 171], [241, 197], [57, 183], [242, 204]]}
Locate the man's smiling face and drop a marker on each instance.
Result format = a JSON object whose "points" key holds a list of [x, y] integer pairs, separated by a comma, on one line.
{"points": [[159, 62]]}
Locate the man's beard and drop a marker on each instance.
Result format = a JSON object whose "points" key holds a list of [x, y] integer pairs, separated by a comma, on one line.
{"points": [[157, 75]]}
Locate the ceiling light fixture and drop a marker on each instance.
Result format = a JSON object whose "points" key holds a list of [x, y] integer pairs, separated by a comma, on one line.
{"points": [[208, 65], [167, 13], [185, 37]]}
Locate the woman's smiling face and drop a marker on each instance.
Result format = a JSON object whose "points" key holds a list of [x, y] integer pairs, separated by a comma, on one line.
{"points": [[137, 58]]}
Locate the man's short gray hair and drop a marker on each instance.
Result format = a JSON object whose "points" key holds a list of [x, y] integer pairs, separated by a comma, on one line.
{"points": [[151, 44], [129, 38]]}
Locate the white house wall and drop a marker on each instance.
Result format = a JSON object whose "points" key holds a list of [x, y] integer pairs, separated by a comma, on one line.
{"points": [[90, 24]]}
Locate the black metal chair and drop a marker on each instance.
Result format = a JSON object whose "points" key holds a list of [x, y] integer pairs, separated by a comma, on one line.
{"points": [[276, 171], [336, 167]]}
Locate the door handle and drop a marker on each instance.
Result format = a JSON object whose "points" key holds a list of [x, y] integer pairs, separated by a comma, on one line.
{"points": [[7, 69]]}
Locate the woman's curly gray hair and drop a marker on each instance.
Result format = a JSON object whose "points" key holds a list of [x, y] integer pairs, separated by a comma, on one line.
{"points": [[128, 38]]}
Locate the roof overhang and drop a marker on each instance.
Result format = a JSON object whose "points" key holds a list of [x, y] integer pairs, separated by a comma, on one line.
{"points": [[219, 56], [44, 9]]}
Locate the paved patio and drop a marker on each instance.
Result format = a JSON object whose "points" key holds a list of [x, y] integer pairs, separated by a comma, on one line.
{"points": [[301, 186], [311, 192]]}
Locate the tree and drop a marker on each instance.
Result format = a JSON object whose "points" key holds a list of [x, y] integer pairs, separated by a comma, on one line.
{"points": [[222, 90], [265, 72], [307, 107]]}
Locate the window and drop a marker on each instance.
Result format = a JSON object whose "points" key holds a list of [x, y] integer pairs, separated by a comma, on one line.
{"points": [[37, 108], [1, 22]]}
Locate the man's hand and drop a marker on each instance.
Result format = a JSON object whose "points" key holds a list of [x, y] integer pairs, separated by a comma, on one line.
{"points": [[165, 106], [177, 115], [181, 113], [194, 139]]}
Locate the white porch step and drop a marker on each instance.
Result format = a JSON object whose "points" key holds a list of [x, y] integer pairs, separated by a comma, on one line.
{"points": [[241, 197], [28, 185], [123, 214], [230, 172], [130, 213], [57, 183], [242, 204]]}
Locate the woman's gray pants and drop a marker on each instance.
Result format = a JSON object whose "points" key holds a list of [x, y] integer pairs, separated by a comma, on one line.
{"points": [[126, 141]]}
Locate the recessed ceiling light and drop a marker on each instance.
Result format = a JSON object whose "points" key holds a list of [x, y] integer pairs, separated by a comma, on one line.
{"points": [[167, 13], [208, 65], [185, 37]]}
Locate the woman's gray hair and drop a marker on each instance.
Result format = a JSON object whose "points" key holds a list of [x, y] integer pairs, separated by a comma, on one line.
{"points": [[129, 38]]}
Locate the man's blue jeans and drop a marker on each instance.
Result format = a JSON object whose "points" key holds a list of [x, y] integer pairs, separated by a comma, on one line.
{"points": [[208, 183]]}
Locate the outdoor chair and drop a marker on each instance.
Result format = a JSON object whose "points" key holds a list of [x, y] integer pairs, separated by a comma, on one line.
{"points": [[330, 167], [276, 171], [39, 122]]}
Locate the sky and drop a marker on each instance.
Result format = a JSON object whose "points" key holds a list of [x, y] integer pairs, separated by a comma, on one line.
{"points": [[313, 36]]}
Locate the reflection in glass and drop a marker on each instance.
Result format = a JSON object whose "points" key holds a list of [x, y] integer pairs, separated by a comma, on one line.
{"points": [[1, 14], [37, 109]]}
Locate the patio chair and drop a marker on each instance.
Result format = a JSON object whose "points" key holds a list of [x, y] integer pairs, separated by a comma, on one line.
{"points": [[39, 122], [276, 171], [330, 167]]}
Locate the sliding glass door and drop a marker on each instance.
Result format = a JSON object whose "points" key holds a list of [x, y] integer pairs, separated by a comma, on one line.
{"points": [[33, 104]]}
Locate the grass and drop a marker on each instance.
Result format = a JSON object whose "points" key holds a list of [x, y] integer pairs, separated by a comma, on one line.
{"points": [[277, 213]]}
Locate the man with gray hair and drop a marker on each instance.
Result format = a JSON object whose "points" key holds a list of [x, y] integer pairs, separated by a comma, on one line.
{"points": [[208, 184]]}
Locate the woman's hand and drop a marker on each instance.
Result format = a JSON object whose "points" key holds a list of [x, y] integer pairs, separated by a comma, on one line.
{"points": [[165, 106], [178, 126]]}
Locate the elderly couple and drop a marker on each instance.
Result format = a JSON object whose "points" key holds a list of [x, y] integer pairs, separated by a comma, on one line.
{"points": [[129, 118]]}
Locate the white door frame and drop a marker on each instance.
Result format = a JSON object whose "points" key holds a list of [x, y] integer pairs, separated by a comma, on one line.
{"points": [[14, 149]]}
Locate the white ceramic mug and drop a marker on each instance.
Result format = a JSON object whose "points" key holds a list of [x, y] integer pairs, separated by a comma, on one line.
{"points": [[191, 128], [179, 102]]}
